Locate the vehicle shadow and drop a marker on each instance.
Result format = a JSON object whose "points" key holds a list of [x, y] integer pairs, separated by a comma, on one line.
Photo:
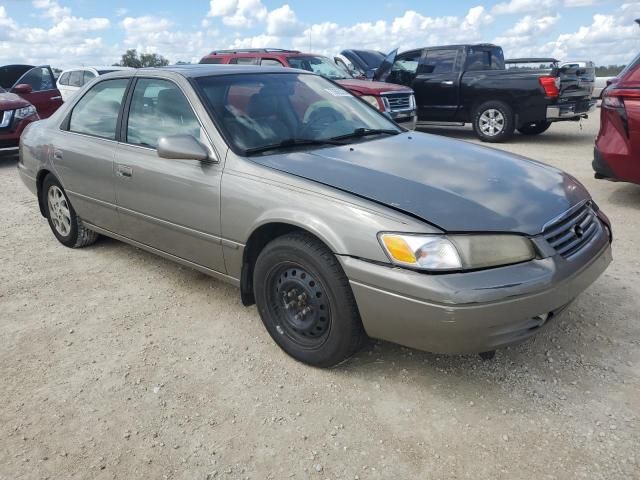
{"points": [[8, 160], [548, 138], [627, 195]]}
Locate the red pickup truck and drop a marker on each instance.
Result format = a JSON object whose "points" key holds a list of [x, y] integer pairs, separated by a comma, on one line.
{"points": [[27, 93], [396, 101]]}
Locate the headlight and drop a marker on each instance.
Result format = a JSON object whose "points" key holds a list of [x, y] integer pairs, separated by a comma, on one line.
{"points": [[371, 100], [25, 112], [456, 252]]}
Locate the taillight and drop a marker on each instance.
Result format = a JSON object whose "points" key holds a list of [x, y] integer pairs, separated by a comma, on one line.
{"points": [[550, 85], [615, 103]]}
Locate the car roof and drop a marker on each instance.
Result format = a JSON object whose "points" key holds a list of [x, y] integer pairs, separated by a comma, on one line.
{"points": [[97, 67], [206, 70]]}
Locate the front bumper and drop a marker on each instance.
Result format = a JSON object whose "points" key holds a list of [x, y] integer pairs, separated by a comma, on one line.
{"points": [[405, 118], [570, 111], [474, 311]]}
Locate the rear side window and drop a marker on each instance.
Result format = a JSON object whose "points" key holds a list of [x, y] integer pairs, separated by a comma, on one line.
{"points": [[76, 78], [88, 76], [64, 79], [439, 61], [211, 60], [270, 62], [631, 72], [485, 59], [244, 61], [158, 109], [97, 111]]}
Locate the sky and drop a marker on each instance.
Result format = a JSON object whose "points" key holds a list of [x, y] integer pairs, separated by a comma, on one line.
{"points": [[70, 33]]}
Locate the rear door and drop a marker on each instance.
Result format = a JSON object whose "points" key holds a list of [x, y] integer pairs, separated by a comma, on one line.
{"points": [[168, 204], [84, 152], [437, 84], [45, 96]]}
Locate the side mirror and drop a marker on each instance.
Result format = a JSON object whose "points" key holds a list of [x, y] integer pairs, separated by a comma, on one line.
{"points": [[181, 147], [23, 88]]}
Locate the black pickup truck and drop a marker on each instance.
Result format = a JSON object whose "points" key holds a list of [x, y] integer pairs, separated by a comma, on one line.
{"points": [[458, 84]]}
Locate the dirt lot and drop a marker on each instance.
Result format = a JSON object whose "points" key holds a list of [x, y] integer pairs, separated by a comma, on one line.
{"points": [[115, 363]]}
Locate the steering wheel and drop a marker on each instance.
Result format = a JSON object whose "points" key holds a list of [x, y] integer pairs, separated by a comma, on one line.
{"points": [[319, 120]]}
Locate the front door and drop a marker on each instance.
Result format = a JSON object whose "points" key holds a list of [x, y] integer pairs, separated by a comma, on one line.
{"points": [[44, 95], [84, 153], [168, 204]]}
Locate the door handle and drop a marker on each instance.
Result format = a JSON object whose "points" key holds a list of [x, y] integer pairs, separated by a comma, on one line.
{"points": [[447, 83], [57, 154], [56, 98], [124, 171]]}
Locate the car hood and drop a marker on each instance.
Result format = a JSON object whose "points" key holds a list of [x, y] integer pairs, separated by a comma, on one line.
{"points": [[366, 87], [11, 101], [454, 185]]}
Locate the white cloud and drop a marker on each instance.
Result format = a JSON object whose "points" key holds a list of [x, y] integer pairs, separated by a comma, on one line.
{"points": [[283, 22], [522, 6]]}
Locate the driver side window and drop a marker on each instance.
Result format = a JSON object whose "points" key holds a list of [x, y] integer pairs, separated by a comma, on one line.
{"points": [[158, 109], [404, 68], [39, 78]]}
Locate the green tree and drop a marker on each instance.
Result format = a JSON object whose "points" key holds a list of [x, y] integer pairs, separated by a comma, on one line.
{"points": [[131, 59]]}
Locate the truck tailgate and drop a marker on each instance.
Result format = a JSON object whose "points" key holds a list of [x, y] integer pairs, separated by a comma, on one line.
{"points": [[577, 79]]}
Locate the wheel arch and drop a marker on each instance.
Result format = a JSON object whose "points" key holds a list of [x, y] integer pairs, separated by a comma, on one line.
{"points": [[258, 240], [42, 174]]}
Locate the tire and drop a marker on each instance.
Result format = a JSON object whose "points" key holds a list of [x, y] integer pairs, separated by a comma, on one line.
{"points": [[535, 128], [493, 121], [297, 266], [65, 224]]}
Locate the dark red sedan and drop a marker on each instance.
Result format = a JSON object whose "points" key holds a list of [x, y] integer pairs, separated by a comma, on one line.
{"points": [[617, 152]]}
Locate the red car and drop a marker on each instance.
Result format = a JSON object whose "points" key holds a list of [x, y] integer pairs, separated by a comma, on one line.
{"points": [[617, 152], [396, 101], [27, 93]]}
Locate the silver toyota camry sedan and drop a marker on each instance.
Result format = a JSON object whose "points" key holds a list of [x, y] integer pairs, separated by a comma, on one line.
{"points": [[336, 222]]}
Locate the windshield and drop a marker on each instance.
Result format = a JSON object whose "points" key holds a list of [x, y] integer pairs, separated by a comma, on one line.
{"points": [[320, 65], [300, 110]]}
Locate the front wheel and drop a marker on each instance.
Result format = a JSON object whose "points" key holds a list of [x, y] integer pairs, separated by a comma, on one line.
{"points": [[305, 301], [534, 128], [493, 121], [65, 224]]}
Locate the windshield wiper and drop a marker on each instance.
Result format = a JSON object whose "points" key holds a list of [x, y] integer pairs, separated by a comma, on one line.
{"points": [[292, 142], [365, 132]]}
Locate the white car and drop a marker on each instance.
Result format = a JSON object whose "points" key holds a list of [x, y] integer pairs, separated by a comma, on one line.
{"points": [[72, 80]]}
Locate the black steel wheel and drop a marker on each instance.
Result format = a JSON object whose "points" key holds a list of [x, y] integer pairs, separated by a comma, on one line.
{"points": [[305, 301], [300, 304]]}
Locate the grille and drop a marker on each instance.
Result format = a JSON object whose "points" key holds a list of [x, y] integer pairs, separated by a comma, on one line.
{"points": [[572, 231], [398, 101]]}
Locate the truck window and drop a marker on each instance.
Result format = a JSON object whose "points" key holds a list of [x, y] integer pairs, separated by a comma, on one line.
{"points": [[439, 61], [485, 59], [244, 61]]}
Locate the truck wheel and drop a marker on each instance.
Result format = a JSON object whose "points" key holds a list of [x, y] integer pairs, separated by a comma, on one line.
{"points": [[535, 128], [305, 301], [65, 224], [493, 121]]}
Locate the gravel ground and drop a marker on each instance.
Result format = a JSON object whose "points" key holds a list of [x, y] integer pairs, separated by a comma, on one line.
{"points": [[115, 363]]}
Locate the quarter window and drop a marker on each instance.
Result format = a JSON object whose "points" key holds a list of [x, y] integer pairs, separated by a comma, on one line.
{"points": [[244, 61], [64, 79], [97, 111], [270, 62], [158, 109]]}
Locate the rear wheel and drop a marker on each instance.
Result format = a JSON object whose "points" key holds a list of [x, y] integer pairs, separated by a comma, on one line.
{"points": [[493, 121], [534, 128], [305, 301], [65, 224]]}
